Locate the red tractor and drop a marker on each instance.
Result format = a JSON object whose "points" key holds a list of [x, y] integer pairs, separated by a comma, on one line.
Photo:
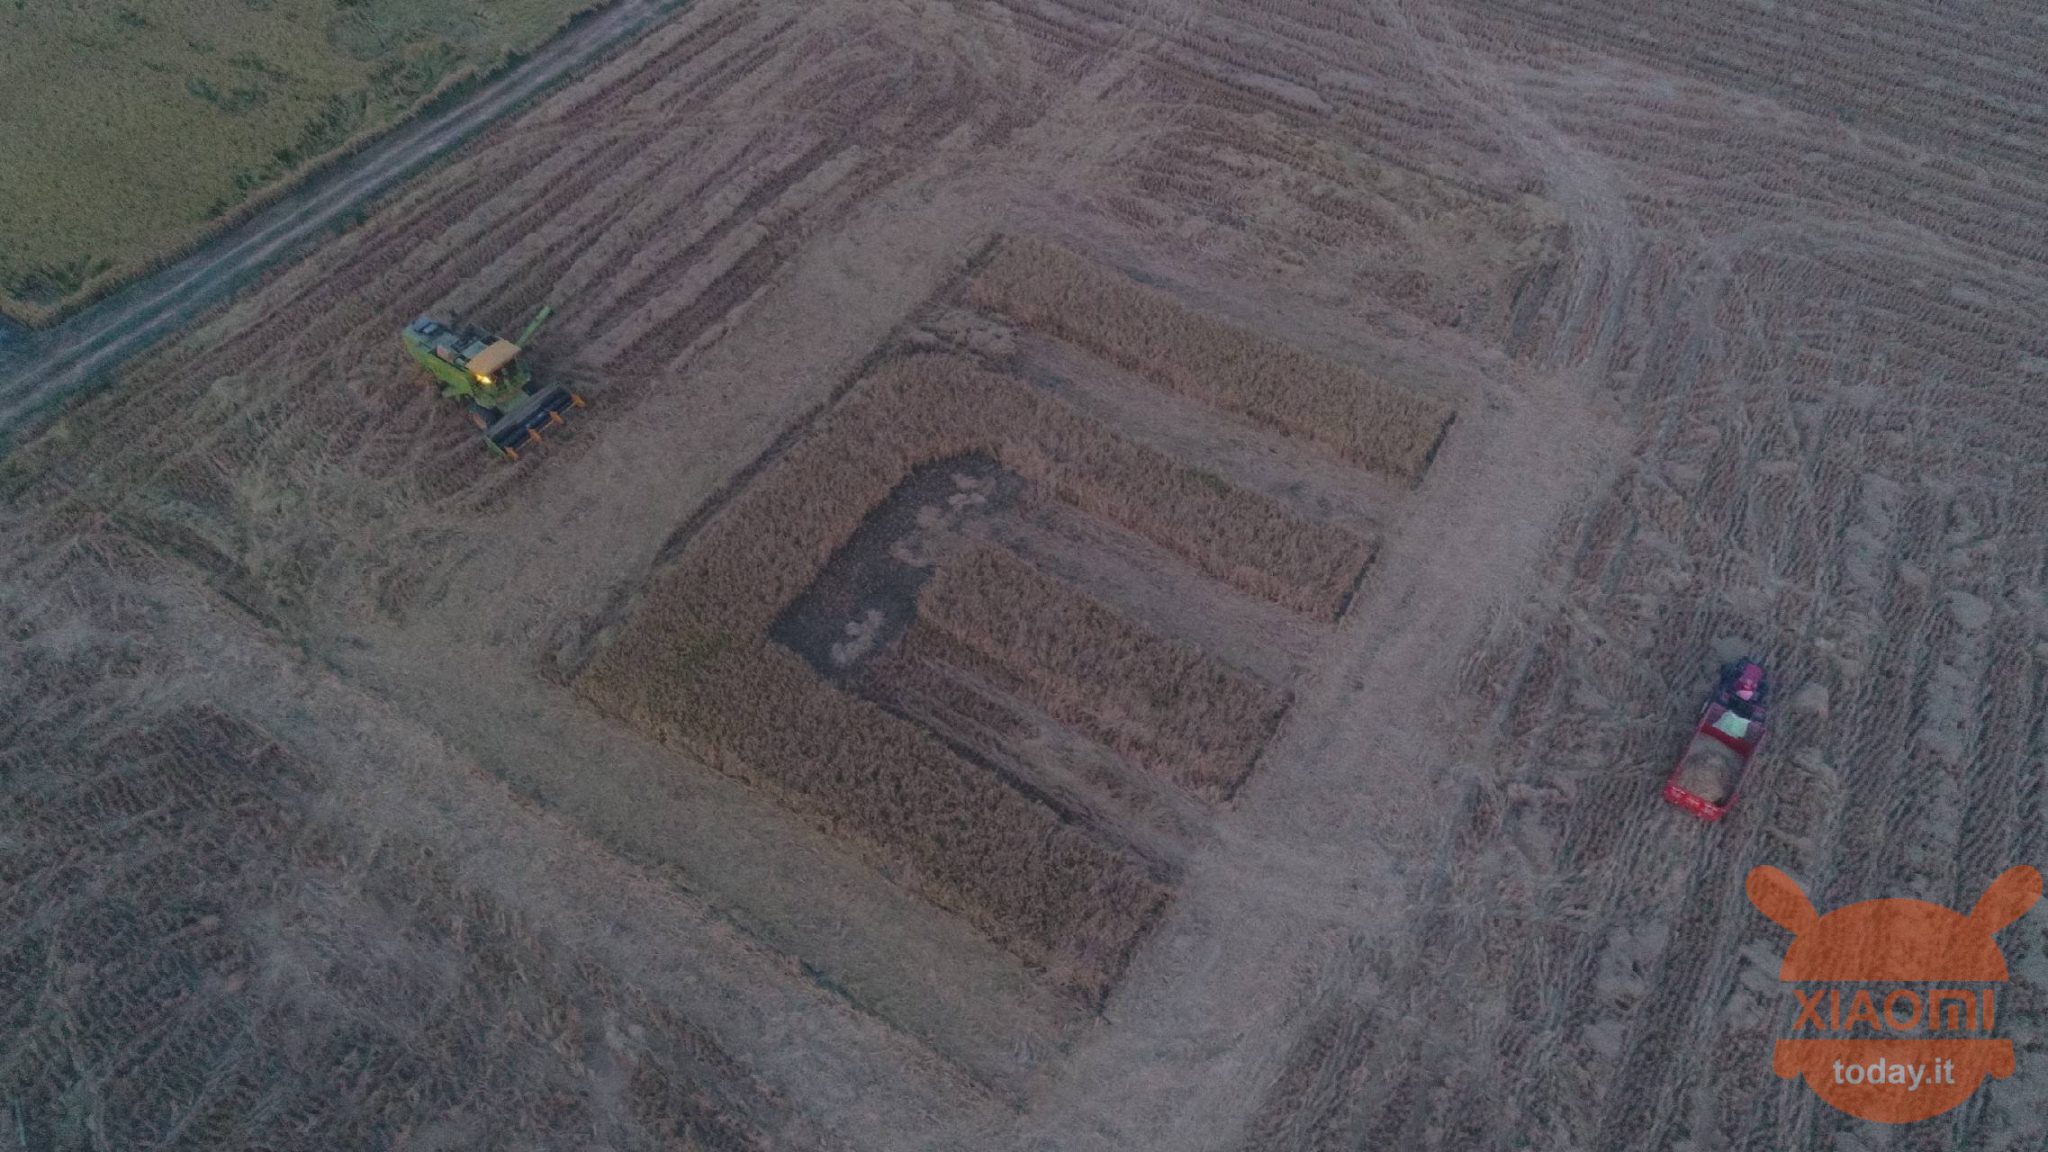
{"points": [[1731, 727]]}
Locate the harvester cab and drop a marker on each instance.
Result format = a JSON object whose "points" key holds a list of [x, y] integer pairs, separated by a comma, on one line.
{"points": [[486, 373]]}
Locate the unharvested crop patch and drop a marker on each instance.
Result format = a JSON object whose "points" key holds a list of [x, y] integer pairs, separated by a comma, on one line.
{"points": [[695, 666], [1171, 706], [747, 646], [1364, 421]]}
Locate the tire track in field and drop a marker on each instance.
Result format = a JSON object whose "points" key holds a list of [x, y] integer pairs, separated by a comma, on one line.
{"points": [[475, 236], [324, 413], [825, 185], [593, 103], [652, 273], [439, 220]]}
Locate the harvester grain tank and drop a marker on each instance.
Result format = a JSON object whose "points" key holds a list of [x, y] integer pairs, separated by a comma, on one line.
{"points": [[487, 375]]}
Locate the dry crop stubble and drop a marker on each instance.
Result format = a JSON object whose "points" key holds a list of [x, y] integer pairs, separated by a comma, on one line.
{"points": [[198, 954], [1839, 490], [204, 948], [1923, 76]]}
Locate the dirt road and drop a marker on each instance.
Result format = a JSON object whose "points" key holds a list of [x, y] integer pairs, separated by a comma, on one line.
{"points": [[40, 369]]}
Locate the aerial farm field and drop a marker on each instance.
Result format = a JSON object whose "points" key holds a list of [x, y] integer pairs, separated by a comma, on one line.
{"points": [[131, 129], [1130, 580]]}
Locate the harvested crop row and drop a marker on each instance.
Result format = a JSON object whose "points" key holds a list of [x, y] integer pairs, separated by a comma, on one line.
{"points": [[694, 666], [1362, 420], [1168, 705]]}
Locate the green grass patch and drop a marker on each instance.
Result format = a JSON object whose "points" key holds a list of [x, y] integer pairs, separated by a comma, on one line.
{"points": [[131, 128]]}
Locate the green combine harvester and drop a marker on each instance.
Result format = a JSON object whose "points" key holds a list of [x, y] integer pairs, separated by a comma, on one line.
{"points": [[484, 372]]}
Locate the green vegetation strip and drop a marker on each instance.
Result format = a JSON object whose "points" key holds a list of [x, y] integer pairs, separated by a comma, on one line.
{"points": [[129, 130]]}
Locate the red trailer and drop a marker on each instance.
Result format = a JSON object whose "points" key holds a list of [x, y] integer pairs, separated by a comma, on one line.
{"points": [[1710, 771]]}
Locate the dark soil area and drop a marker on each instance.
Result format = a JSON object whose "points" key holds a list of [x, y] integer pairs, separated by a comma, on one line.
{"points": [[867, 594]]}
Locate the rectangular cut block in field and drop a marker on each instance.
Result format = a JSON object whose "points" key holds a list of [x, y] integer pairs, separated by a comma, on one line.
{"points": [[698, 663]]}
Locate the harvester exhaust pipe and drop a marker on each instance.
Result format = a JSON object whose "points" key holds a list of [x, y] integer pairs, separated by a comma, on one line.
{"points": [[533, 325]]}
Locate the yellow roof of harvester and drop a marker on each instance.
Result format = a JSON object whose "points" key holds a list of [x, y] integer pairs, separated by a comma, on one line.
{"points": [[488, 361]]}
